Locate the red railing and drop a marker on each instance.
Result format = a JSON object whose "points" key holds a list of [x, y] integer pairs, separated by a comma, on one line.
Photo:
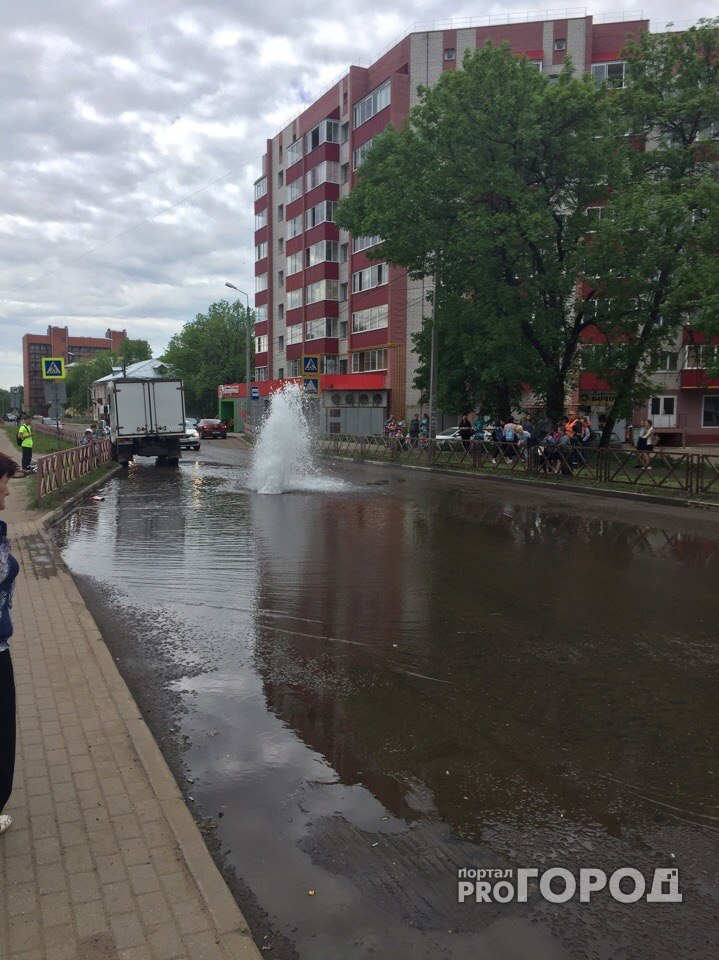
{"points": [[56, 470]]}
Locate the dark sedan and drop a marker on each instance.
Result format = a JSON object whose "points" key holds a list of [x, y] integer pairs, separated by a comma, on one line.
{"points": [[210, 429]]}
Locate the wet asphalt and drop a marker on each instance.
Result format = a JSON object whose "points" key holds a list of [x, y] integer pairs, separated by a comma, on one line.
{"points": [[362, 692]]}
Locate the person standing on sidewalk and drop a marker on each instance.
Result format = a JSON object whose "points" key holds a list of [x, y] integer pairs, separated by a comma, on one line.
{"points": [[8, 571], [25, 437]]}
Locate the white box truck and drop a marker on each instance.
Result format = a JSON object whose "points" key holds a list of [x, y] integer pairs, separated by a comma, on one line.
{"points": [[147, 418]]}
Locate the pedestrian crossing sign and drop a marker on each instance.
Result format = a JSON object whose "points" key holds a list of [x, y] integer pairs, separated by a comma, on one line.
{"points": [[310, 365], [53, 368], [311, 386]]}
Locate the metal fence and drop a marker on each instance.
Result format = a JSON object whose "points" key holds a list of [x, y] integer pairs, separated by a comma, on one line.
{"points": [[56, 470], [662, 471]]}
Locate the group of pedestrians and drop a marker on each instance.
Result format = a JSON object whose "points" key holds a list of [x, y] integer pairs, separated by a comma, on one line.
{"points": [[417, 433]]}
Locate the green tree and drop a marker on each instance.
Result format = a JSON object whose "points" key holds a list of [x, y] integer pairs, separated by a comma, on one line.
{"points": [[493, 173], [208, 351], [81, 375], [661, 229]]}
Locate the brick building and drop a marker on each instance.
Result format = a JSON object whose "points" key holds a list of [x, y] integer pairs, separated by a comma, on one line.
{"points": [[316, 292], [58, 343]]}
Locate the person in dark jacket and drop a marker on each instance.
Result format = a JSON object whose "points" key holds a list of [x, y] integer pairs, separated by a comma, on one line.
{"points": [[466, 432], [9, 569]]}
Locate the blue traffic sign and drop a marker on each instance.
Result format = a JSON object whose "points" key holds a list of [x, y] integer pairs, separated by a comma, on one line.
{"points": [[254, 393], [311, 386], [310, 365]]}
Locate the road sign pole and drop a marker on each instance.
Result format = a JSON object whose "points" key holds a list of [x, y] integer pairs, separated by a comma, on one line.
{"points": [[57, 413]]}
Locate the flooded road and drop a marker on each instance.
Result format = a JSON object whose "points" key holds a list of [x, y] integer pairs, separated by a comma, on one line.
{"points": [[366, 690]]}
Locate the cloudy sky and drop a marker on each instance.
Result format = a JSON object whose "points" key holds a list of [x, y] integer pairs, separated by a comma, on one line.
{"points": [[114, 111]]}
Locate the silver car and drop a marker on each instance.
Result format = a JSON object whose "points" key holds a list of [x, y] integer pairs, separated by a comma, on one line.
{"points": [[191, 440]]}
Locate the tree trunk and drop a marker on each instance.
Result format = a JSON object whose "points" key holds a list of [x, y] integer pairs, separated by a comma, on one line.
{"points": [[504, 402], [608, 430], [556, 397]]}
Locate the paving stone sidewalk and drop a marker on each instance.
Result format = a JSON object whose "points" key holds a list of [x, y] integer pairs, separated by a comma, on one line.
{"points": [[103, 859]]}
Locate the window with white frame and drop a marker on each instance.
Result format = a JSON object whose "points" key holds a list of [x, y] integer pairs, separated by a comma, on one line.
{"points": [[321, 213], [372, 319], [260, 374], [294, 190], [294, 227], [261, 344], [294, 263], [560, 44], [260, 282], [319, 329], [261, 250], [294, 368], [360, 153], [325, 250], [700, 357], [450, 53], [294, 299], [538, 65], [613, 73], [666, 361], [593, 214], [343, 329], [322, 290], [372, 104], [364, 243], [710, 412], [326, 172], [294, 334], [365, 361], [331, 365], [293, 153], [326, 132], [261, 313], [261, 219], [260, 187], [370, 277]]}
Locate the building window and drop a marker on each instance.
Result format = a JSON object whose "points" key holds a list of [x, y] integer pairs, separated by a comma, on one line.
{"points": [[294, 368], [281, 211], [343, 329], [261, 313], [294, 190], [280, 373], [319, 329], [344, 291], [701, 357], [280, 244], [373, 319], [613, 73], [260, 187], [294, 226], [326, 132], [538, 65], [261, 250], [345, 129], [360, 153], [560, 44], [281, 178], [261, 344], [372, 104], [260, 374], [364, 243], [260, 282], [294, 152], [365, 361], [449, 53], [344, 252], [710, 413], [280, 343], [294, 263], [370, 277], [294, 299], [261, 219], [326, 172], [294, 334], [280, 311], [322, 290], [281, 277], [345, 173], [322, 213], [325, 250], [666, 361]]}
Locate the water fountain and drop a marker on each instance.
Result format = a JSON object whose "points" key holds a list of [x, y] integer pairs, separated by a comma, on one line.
{"points": [[283, 459]]}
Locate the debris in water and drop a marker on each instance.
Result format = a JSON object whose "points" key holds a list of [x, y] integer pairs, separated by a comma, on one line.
{"points": [[98, 498], [310, 893]]}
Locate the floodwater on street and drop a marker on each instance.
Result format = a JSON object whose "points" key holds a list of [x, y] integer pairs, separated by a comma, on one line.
{"points": [[367, 690]]}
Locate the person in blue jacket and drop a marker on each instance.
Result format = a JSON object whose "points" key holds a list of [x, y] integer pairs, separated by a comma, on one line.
{"points": [[8, 571]]}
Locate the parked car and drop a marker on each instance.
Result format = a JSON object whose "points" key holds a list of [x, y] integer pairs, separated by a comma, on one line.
{"points": [[449, 438], [209, 428], [49, 422], [191, 440]]}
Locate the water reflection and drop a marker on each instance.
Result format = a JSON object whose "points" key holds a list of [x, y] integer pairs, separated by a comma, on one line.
{"points": [[473, 681]]}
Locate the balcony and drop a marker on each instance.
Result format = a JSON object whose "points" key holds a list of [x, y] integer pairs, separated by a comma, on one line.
{"points": [[697, 380]]}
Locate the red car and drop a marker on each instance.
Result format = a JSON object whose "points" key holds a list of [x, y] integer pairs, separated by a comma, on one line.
{"points": [[208, 429]]}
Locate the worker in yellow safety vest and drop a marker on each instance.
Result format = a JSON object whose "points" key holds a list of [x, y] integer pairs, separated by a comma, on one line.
{"points": [[24, 439]]}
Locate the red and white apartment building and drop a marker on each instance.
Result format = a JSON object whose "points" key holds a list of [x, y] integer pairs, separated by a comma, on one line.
{"points": [[316, 291]]}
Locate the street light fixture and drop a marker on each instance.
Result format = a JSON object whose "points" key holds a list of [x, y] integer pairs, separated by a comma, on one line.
{"points": [[248, 352]]}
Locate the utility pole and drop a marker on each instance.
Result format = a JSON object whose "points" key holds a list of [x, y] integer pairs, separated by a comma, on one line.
{"points": [[433, 355]]}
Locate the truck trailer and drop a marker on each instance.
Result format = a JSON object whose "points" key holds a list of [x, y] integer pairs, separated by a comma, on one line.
{"points": [[147, 418]]}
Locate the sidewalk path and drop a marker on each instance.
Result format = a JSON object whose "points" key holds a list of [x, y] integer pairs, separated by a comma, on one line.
{"points": [[103, 859]]}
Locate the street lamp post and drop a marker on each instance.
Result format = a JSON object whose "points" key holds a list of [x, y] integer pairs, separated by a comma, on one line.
{"points": [[248, 353]]}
